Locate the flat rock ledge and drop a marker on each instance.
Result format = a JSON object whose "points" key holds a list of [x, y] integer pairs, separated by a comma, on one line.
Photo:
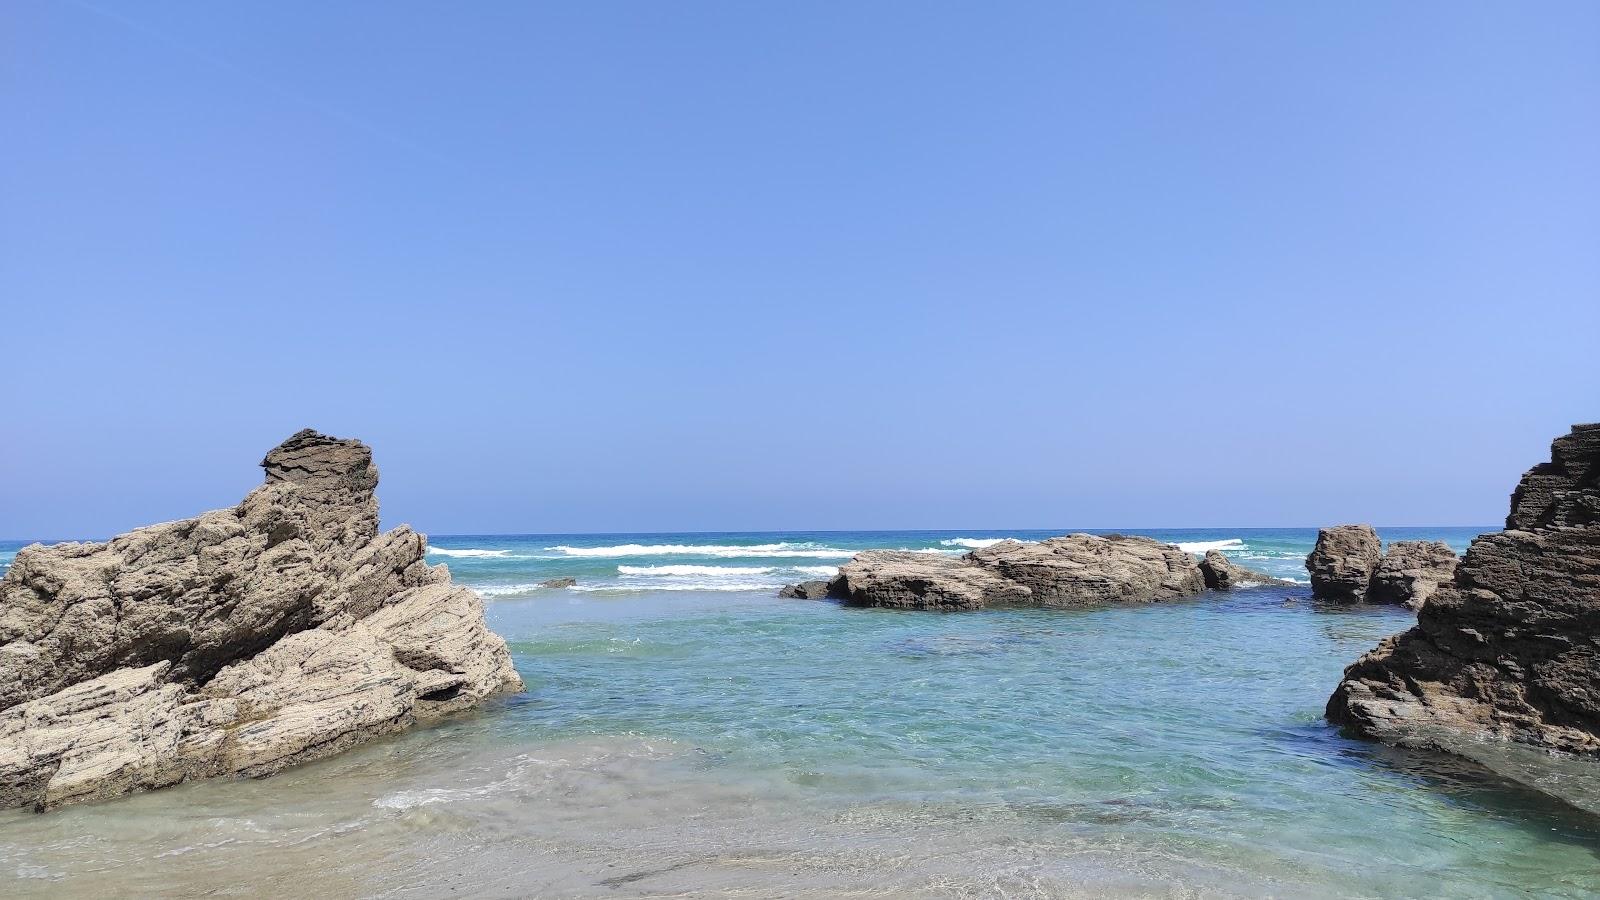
{"points": [[1350, 565], [246, 640], [1503, 666], [1072, 570]]}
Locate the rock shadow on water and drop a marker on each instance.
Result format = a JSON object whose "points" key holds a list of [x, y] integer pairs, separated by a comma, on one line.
{"points": [[1457, 782]]}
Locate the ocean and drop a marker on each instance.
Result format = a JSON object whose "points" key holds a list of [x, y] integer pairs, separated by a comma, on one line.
{"points": [[685, 732]]}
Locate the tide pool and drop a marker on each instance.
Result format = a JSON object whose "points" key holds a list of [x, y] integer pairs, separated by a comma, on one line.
{"points": [[686, 732]]}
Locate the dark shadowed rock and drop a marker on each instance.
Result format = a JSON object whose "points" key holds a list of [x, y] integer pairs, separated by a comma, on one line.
{"points": [[805, 590], [1342, 563], [564, 582], [1223, 574], [1410, 572], [240, 642], [1503, 666]]}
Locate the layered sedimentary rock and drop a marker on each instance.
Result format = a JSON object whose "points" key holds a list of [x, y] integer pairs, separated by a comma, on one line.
{"points": [[1410, 572], [907, 580], [1342, 563], [240, 642], [1350, 565], [1504, 663], [1070, 570], [1223, 574]]}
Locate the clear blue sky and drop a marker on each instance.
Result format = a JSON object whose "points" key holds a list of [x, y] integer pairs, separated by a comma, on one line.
{"points": [[646, 266]]}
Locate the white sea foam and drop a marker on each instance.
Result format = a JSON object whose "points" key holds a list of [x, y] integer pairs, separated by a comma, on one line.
{"points": [[781, 550], [634, 587], [469, 552], [1203, 546], [818, 571], [695, 570], [508, 590], [978, 543]]}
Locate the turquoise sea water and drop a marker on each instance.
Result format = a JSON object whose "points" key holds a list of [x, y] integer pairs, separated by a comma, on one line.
{"points": [[686, 732]]}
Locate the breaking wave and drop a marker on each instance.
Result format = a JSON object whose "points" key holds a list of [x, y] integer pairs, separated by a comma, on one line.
{"points": [[977, 543], [469, 552], [1203, 546], [786, 549], [695, 570]]}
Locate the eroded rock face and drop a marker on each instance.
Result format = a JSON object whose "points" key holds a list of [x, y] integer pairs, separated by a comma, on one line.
{"points": [[1410, 572], [1350, 565], [905, 580], [1084, 569], [1071, 570], [238, 642], [1507, 653], [1342, 563]]}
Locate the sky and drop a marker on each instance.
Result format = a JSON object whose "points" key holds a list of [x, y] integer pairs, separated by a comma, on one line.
{"points": [[575, 267]]}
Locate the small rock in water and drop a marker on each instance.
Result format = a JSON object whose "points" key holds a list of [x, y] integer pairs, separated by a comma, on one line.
{"points": [[564, 582], [805, 590]]}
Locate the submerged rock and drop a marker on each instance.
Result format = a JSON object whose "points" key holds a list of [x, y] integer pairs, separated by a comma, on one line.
{"points": [[1342, 563], [1504, 663], [1070, 570], [805, 590], [236, 643], [1223, 574], [564, 582]]}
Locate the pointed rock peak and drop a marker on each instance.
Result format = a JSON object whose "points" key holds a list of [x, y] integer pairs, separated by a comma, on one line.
{"points": [[327, 468]]}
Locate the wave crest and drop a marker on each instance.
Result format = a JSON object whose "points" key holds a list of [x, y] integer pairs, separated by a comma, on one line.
{"points": [[1203, 546]]}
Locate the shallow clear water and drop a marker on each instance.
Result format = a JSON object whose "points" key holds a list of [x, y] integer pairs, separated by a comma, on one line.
{"points": [[686, 732]]}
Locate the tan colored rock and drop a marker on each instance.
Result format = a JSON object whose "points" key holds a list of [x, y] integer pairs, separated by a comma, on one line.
{"points": [[906, 580], [1065, 571], [1084, 569], [1410, 572], [1342, 563], [238, 642]]}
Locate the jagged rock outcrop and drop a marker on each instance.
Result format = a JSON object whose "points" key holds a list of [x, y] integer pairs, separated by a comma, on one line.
{"points": [[1223, 574], [1350, 565], [907, 580], [1342, 563], [1503, 666], [805, 590], [1070, 570], [1410, 572], [239, 642]]}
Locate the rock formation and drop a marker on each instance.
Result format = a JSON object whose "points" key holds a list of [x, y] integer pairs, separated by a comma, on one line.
{"points": [[1410, 572], [805, 590], [240, 642], [1503, 666], [1223, 574], [1348, 565], [564, 582], [1070, 570], [1342, 563]]}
